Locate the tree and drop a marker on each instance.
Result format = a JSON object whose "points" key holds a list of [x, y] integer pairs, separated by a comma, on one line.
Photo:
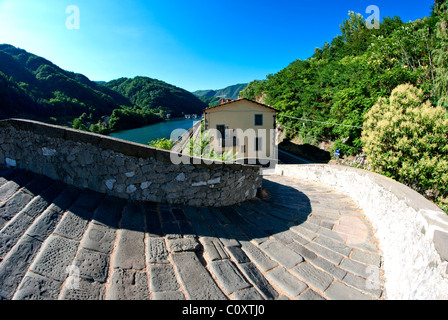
{"points": [[405, 138], [440, 53], [162, 143], [77, 124], [355, 34]]}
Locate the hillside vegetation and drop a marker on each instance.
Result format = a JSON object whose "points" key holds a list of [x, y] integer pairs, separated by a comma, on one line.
{"points": [[360, 68], [35, 87], [32, 87], [157, 95], [212, 97], [345, 78]]}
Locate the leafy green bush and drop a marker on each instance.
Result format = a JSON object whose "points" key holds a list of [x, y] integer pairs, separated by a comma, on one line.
{"points": [[406, 139], [162, 143]]}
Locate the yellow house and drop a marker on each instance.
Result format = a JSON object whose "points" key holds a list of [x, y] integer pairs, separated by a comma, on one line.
{"points": [[244, 126]]}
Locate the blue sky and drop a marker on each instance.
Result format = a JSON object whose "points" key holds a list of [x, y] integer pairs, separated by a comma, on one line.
{"points": [[193, 44]]}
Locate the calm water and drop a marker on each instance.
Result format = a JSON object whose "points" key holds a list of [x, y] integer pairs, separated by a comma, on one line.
{"points": [[154, 131]]}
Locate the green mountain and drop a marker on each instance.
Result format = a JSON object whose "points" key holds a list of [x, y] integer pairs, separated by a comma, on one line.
{"points": [[157, 95], [32, 87], [212, 97]]}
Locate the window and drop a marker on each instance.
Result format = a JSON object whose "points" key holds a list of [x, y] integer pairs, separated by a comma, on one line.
{"points": [[258, 119], [258, 144], [222, 130]]}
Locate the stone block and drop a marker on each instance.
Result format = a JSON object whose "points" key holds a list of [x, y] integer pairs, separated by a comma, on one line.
{"points": [[73, 224], [213, 248], [85, 290], [91, 265], [340, 291], [128, 285], [286, 282], [196, 280], [259, 257], [238, 255], [109, 212], [334, 245], [14, 267], [310, 295], [162, 278], [55, 257], [282, 254], [12, 232], [358, 268], [156, 250], [99, 238], [130, 252], [183, 244], [228, 276], [168, 295], [258, 280], [133, 216], [313, 276], [248, 294], [88, 200], [14, 204], [7, 190], [44, 225], [329, 267], [366, 285], [37, 287]]}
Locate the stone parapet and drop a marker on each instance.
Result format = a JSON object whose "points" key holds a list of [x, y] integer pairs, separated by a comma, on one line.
{"points": [[123, 169], [412, 231]]}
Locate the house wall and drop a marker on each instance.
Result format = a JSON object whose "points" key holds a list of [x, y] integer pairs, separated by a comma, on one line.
{"points": [[241, 115]]}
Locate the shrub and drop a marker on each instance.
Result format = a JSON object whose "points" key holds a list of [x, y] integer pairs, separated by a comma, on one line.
{"points": [[162, 143], [406, 139]]}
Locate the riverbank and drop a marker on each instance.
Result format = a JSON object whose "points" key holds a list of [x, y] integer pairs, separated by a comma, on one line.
{"points": [[169, 129]]}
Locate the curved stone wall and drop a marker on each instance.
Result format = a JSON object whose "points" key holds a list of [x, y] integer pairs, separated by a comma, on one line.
{"points": [[123, 169], [412, 231]]}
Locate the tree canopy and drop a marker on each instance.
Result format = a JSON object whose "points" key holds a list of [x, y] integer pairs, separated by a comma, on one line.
{"points": [[34, 88], [345, 77]]}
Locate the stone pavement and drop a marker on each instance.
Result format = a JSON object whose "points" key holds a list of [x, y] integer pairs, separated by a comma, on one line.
{"points": [[299, 241]]}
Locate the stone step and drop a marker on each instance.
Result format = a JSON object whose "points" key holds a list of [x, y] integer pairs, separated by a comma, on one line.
{"points": [[61, 242]]}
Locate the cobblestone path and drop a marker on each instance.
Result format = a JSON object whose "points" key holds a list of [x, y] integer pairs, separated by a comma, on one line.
{"points": [[299, 241]]}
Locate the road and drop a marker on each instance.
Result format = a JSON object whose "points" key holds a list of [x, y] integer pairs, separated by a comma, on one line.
{"points": [[288, 158]]}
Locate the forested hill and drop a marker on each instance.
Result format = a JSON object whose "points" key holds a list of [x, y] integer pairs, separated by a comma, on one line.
{"points": [[157, 95], [32, 87], [345, 77], [212, 97]]}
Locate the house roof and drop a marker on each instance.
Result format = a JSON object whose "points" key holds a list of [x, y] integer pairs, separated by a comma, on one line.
{"points": [[240, 99]]}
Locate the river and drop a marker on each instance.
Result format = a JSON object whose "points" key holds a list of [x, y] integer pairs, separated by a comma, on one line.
{"points": [[155, 131]]}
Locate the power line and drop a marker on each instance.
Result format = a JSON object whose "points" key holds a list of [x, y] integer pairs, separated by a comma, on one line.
{"points": [[309, 135], [334, 124]]}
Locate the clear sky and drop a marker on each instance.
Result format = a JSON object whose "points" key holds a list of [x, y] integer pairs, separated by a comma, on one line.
{"points": [[193, 44]]}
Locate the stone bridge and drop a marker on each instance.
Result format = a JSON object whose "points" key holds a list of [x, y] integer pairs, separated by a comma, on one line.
{"points": [[303, 232]]}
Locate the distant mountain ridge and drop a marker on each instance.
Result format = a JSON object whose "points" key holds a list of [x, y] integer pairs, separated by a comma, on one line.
{"points": [[158, 95], [212, 97], [33, 87]]}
